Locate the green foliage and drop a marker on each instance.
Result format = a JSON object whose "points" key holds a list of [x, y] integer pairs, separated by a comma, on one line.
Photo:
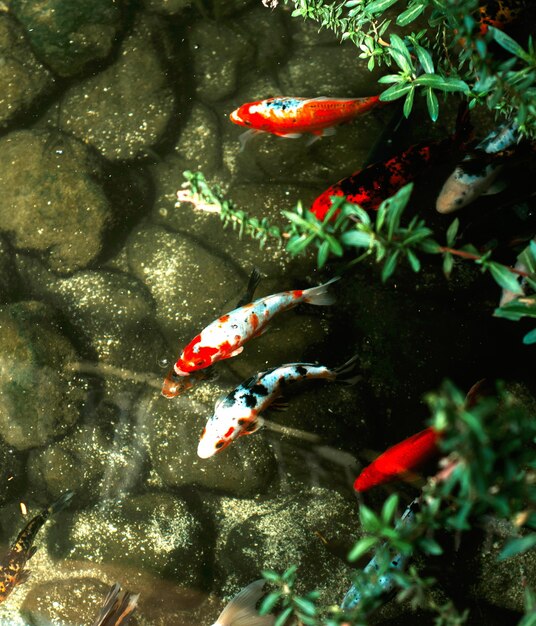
{"points": [[451, 54], [487, 470]]}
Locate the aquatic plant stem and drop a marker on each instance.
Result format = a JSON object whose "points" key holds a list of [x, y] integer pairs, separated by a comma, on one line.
{"points": [[475, 257]]}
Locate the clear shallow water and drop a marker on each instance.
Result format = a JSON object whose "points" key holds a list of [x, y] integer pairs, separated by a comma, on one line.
{"points": [[100, 270]]}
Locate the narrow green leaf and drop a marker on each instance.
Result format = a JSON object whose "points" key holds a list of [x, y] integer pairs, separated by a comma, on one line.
{"points": [[289, 574], [323, 253], [269, 602], [448, 264], [430, 546], [334, 245], [452, 232], [391, 78], [443, 83], [413, 260], [389, 266], [356, 238], [408, 102], [509, 44], [380, 5], [395, 92], [369, 520], [362, 547], [504, 278], [306, 606], [271, 576], [425, 59], [283, 617], [530, 337], [518, 545], [410, 14], [432, 104], [389, 508]]}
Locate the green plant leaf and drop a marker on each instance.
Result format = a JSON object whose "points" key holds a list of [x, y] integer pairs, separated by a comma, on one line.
{"points": [[410, 14], [504, 278], [380, 5], [283, 617], [356, 238], [389, 266], [452, 231], [408, 102], [323, 254], [413, 260], [271, 576], [395, 92], [269, 602], [432, 104], [369, 520], [389, 508], [430, 546], [530, 337], [425, 59], [509, 44], [443, 83], [518, 545], [306, 606], [362, 547], [448, 264]]}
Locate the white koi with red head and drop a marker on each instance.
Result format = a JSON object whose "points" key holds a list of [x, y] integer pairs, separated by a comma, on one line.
{"points": [[238, 413], [225, 337]]}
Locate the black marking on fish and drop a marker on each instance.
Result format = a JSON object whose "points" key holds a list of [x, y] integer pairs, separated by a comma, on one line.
{"points": [[250, 400], [302, 371], [260, 390]]}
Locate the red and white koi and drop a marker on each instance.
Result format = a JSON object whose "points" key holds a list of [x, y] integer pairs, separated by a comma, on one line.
{"points": [[291, 117], [225, 337], [241, 609], [238, 413]]}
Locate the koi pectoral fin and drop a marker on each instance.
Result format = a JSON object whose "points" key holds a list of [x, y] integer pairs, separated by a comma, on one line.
{"points": [[235, 352], [280, 404], [247, 136], [253, 426], [23, 576]]}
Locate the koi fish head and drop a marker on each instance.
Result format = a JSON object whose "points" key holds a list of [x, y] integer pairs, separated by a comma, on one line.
{"points": [[227, 424], [195, 357], [252, 114]]}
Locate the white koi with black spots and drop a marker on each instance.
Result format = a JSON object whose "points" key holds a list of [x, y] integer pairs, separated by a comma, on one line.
{"points": [[238, 413], [225, 337]]}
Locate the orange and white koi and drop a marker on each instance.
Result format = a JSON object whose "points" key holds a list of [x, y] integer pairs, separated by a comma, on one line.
{"points": [[174, 385], [291, 117], [225, 337], [238, 413], [12, 572], [241, 609]]}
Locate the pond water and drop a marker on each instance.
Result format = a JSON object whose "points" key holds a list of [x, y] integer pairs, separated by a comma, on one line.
{"points": [[104, 279]]}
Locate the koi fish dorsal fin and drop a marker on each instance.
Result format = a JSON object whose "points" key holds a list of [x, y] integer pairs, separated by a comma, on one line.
{"points": [[241, 609]]}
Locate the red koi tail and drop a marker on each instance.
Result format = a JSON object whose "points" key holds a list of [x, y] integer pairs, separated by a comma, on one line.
{"points": [[319, 295]]}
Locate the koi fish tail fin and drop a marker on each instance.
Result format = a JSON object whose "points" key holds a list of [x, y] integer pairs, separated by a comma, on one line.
{"points": [[464, 130], [62, 502], [320, 295], [345, 373], [117, 607], [241, 609]]}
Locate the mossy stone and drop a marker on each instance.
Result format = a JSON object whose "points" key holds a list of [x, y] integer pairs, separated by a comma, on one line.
{"points": [[69, 35]]}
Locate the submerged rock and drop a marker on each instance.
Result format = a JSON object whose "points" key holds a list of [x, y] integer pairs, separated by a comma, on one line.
{"points": [[22, 78], [111, 312], [37, 403], [68, 36], [167, 7], [219, 52], [9, 285], [156, 533], [287, 530], [125, 109], [188, 282], [51, 202]]}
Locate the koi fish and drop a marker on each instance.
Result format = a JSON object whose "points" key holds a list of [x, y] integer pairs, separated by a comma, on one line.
{"points": [[411, 453], [399, 459], [225, 337], [237, 413], [397, 561], [241, 609], [12, 572], [118, 607], [291, 117], [370, 186], [174, 385], [477, 173]]}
